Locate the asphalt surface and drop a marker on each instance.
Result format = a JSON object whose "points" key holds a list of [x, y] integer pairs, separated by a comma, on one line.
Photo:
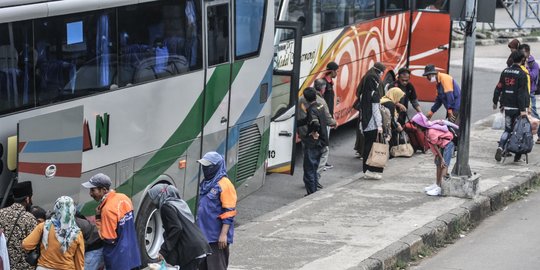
{"points": [[280, 190], [508, 240]]}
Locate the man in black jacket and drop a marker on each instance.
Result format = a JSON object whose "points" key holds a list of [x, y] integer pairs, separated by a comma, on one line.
{"points": [[404, 75], [315, 140], [184, 244], [513, 95]]}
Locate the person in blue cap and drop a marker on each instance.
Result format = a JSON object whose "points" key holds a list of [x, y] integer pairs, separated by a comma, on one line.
{"points": [[217, 198]]}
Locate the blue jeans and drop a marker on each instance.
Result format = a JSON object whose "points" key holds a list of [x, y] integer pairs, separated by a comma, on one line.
{"points": [[447, 154], [93, 260], [533, 105], [509, 119], [312, 158]]}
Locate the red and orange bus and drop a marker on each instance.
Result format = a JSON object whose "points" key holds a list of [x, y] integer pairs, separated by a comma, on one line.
{"points": [[356, 34]]}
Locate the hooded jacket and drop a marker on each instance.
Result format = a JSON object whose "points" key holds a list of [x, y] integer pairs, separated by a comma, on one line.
{"points": [[534, 71]]}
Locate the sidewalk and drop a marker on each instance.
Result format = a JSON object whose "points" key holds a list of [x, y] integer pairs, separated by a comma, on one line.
{"points": [[362, 224]]}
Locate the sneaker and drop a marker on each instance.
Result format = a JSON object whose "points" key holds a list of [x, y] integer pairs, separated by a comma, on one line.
{"points": [[435, 192], [432, 186], [319, 186], [538, 141], [498, 154], [357, 155], [328, 166], [372, 175]]}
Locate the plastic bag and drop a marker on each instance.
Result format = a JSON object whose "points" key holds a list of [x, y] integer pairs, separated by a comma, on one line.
{"points": [[498, 122]]}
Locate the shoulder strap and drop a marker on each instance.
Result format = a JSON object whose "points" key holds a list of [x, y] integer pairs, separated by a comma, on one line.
{"points": [[13, 228]]}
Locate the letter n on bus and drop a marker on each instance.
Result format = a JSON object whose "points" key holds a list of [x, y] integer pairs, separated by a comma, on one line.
{"points": [[102, 129]]}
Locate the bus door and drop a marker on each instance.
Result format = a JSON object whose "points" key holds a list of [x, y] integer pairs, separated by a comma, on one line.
{"points": [[285, 85], [50, 150], [429, 43], [217, 31]]}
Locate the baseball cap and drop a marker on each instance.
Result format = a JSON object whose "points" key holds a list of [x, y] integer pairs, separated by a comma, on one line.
{"points": [[332, 66], [210, 158], [98, 180]]}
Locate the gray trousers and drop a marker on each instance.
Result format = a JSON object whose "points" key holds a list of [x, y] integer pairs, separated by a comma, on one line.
{"points": [[324, 160]]}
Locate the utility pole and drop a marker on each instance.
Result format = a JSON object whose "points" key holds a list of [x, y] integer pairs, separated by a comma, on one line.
{"points": [[462, 168]]}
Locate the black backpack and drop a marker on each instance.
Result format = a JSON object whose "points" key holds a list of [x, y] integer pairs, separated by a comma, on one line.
{"points": [[521, 139]]}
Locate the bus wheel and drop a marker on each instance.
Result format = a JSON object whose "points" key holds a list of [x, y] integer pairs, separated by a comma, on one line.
{"points": [[149, 231]]}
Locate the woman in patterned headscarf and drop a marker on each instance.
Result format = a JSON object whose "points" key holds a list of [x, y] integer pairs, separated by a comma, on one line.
{"points": [[60, 240]]}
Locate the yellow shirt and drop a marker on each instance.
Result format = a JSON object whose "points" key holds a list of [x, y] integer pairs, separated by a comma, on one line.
{"points": [[53, 257], [524, 68]]}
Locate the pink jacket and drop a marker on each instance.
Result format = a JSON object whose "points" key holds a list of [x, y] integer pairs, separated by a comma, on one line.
{"points": [[438, 138]]}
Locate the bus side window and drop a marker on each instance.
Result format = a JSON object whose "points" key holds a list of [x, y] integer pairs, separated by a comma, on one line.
{"points": [[158, 40], [432, 5], [16, 67], [248, 26], [76, 55], [339, 13], [391, 6]]}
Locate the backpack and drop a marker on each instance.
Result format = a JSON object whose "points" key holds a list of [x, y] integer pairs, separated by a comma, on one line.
{"points": [[386, 119], [521, 139]]}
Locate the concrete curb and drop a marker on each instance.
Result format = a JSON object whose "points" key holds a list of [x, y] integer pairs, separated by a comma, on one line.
{"points": [[490, 42], [449, 225]]}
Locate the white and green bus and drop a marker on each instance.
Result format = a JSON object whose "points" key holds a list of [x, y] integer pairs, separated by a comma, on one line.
{"points": [[139, 90]]}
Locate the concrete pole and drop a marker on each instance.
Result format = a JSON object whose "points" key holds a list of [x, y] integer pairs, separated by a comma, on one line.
{"points": [[461, 167]]}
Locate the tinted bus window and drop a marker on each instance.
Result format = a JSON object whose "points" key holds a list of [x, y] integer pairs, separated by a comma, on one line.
{"points": [[248, 25], [391, 6], [218, 34], [158, 40], [16, 67], [432, 5], [76, 55]]}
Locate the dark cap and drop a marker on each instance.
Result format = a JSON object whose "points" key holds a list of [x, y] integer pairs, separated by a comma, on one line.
{"points": [[332, 66], [99, 180], [380, 66], [429, 69], [22, 189]]}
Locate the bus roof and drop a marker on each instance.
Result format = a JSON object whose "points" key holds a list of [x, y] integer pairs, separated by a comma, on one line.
{"points": [[20, 10]]}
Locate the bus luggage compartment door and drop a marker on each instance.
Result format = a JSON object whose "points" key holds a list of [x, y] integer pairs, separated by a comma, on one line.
{"points": [[50, 150], [285, 84]]}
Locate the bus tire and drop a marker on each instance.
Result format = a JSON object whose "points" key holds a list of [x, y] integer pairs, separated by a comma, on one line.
{"points": [[149, 231]]}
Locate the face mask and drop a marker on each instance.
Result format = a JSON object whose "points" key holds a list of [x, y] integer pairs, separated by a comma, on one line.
{"points": [[210, 171], [433, 79]]}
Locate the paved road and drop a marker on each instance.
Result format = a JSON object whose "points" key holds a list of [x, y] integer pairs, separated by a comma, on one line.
{"points": [[280, 190], [508, 240]]}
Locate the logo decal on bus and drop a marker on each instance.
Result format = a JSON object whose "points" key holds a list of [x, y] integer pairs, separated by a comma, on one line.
{"points": [[101, 133]]}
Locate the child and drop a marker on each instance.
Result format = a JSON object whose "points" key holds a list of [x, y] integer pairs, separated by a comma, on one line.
{"points": [[439, 140], [39, 213]]}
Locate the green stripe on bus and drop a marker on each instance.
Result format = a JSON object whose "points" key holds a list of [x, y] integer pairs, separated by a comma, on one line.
{"points": [[181, 139]]}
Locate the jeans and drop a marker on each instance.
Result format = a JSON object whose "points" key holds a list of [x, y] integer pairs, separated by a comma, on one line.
{"points": [[533, 106], [447, 154], [509, 119], [312, 158], [93, 260]]}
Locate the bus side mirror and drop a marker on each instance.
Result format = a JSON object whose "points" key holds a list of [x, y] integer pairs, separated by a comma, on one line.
{"points": [[12, 151]]}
